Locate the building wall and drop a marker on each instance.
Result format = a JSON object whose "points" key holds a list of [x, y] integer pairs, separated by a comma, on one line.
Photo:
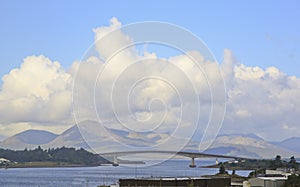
{"points": [[216, 182], [272, 172], [277, 183], [256, 182]]}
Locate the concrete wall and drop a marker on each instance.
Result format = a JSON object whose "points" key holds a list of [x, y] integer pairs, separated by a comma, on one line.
{"points": [[215, 182], [257, 182], [277, 183]]}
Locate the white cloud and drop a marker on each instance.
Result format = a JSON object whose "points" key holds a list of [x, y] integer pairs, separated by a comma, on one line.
{"points": [[38, 91], [261, 101], [243, 113], [248, 73], [109, 40]]}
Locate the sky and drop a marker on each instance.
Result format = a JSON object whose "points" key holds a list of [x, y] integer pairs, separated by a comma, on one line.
{"points": [[253, 35], [260, 33]]}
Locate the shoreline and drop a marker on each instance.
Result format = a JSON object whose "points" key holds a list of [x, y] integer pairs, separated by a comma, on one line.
{"points": [[229, 167], [46, 165], [57, 165]]}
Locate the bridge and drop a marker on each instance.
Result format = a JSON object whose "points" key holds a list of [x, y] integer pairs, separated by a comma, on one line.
{"points": [[191, 155]]}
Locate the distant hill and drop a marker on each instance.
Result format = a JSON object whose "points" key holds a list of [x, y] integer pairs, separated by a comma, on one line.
{"points": [[2, 137], [250, 135], [231, 150], [51, 157], [247, 146], [292, 144], [106, 140], [69, 138], [28, 139]]}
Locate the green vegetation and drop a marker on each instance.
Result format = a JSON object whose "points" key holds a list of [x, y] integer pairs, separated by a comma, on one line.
{"points": [[222, 170], [259, 164], [223, 173], [41, 164], [51, 157], [292, 181]]}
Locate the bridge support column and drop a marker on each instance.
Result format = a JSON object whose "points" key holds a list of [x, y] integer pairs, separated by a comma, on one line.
{"points": [[192, 165], [115, 162]]}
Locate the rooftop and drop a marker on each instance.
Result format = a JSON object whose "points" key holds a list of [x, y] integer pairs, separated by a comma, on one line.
{"points": [[272, 178]]}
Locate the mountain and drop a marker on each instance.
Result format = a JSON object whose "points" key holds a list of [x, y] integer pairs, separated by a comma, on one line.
{"points": [[247, 146], [103, 140], [292, 144], [28, 139], [2, 137], [69, 138], [83, 135], [232, 151], [250, 135]]}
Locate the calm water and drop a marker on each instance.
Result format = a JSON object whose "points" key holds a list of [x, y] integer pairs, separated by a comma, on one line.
{"points": [[94, 176]]}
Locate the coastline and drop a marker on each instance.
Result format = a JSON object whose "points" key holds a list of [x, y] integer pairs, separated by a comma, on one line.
{"points": [[45, 165], [230, 167]]}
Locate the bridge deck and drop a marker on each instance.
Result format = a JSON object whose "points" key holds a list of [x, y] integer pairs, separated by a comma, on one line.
{"points": [[180, 153]]}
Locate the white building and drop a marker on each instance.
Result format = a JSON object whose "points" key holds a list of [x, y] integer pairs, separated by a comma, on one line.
{"points": [[4, 160], [285, 172]]}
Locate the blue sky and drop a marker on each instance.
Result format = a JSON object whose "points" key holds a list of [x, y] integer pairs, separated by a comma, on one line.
{"points": [[260, 33]]}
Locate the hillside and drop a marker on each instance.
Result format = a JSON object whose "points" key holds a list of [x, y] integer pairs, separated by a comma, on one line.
{"points": [[69, 138], [52, 157], [292, 144], [247, 146], [28, 139]]}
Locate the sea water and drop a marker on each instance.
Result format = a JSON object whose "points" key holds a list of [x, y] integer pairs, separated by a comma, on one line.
{"points": [[102, 175]]}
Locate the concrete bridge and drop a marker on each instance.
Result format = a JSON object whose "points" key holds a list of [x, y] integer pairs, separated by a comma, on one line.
{"points": [[191, 155]]}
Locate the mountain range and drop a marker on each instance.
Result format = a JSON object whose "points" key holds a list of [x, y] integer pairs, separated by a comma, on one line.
{"points": [[252, 146], [243, 145]]}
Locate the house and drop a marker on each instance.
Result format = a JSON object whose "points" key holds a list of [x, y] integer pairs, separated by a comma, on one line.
{"points": [[4, 161]]}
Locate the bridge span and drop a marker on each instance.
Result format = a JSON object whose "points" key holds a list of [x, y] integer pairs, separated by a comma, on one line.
{"points": [[191, 155]]}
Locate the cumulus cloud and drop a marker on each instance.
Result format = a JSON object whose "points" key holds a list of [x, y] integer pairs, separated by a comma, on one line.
{"points": [[263, 101], [109, 40], [38, 94], [38, 91]]}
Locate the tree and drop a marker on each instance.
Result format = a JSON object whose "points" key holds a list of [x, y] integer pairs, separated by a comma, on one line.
{"points": [[222, 170], [293, 163], [292, 181], [278, 158], [63, 154], [276, 163], [233, 172]]}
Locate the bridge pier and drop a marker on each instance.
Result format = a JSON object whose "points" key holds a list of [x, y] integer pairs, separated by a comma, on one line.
{"points": [[115, 162], [192, 165]]}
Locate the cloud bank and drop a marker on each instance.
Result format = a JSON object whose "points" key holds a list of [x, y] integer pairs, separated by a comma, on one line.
{"points": [[38, 94]]}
